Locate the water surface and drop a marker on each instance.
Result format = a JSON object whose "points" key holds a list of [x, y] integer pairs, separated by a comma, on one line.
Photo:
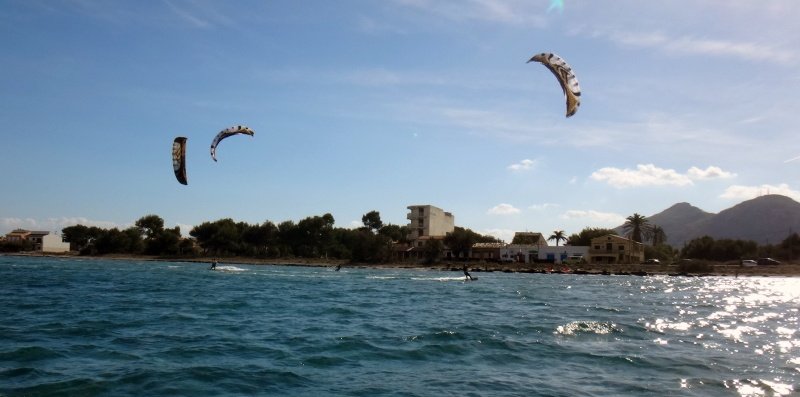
{"points": [[116, 328]]}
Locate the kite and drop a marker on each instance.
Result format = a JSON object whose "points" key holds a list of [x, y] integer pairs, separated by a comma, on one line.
{"points": [[567, 79], [239, 129], [179, 159]]}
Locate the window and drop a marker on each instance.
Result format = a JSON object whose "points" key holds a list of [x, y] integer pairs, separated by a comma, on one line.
{"points": [[622, 248]]}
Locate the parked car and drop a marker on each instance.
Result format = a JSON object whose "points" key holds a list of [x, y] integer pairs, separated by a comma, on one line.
{"points": [[767, 261], [749, 262], [651, 261], [575, 260]]}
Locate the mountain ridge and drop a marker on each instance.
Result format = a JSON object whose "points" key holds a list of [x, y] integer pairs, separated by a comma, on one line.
{"points": [[766, 219]]}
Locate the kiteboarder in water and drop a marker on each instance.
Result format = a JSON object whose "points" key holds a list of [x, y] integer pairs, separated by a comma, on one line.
{"points": [[466, 274], [214, 264]]}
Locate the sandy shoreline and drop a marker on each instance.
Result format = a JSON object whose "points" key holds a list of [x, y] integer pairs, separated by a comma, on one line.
{"points": [[720, 269]]}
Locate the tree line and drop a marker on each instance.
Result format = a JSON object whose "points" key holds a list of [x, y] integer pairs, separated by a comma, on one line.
{"points": [[317, 237], [311, 237]]}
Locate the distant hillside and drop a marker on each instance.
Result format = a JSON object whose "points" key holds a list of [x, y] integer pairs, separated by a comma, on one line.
{"points": [[766, 220], [678, 221]]}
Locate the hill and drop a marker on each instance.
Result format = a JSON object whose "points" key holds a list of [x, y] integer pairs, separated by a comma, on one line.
{"points": [[766, 220], [678, 221]]}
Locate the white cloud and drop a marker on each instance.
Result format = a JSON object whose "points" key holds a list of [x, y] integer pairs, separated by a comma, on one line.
{"points": [[643, 175], [605, 218], [503, 234], [709, 173], [792, 159], [185, 229], [692, 45], [201, 14], [650, 175], [188, 16], [543, 206], [523, 165], [740, 192], [54, 224], [503, 209]]}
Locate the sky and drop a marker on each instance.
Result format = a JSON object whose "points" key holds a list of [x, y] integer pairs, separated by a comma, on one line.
{"points": [[361, 105]]}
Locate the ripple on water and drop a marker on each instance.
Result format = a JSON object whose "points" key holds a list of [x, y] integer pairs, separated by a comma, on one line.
{"points": [[154, 330], [587, 327], [30, 354]]}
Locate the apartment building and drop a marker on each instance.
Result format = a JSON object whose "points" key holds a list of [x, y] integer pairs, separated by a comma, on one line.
{"points": [[427, 222]]}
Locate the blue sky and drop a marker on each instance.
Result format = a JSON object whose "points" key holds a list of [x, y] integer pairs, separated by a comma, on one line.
{"points": [[377, 105]]}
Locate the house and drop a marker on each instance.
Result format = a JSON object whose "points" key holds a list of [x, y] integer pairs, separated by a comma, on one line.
{"points": [[564, 253], [615, 249], [35, 237], [428, 222], [54, 243], [520, 253], [17, 235], [487, 251], [39, 240]]}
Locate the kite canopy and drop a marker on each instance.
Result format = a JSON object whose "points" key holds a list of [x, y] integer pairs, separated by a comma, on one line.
{"points": [[567, 79], [179, 159], [239, 129]]}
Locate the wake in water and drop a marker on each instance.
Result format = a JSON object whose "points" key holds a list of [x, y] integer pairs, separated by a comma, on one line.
{"points": [[460, 278], [228, 268]]}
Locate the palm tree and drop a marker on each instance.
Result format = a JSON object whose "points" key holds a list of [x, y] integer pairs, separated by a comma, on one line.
{"points": [[557, 235], [657, 235], [637, 227]]}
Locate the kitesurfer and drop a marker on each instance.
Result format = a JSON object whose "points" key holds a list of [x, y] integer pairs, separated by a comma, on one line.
{"points": [[466, 274], [338, 267], [214, 264]]}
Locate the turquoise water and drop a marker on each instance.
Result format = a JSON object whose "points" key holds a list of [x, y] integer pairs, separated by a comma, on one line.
{"points": [[125, 328]]}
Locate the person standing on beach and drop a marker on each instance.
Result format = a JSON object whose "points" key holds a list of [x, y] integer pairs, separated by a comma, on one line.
{"points": [[466, 274]]}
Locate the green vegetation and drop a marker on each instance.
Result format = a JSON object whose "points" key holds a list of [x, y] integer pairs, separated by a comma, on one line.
{"points": [[694, 266], [558, 236], [719, 250], [727, 249], [312, 237], [584, 238], [460, 241], [15, 246], [317, 237], [637, 228]]}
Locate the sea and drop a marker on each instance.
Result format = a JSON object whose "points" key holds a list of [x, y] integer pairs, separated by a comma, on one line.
{"points": [[94, 327]]}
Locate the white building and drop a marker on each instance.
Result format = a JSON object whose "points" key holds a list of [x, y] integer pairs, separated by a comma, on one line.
{"points": [[427, 222], [54, 243], [560, 254], [40, 240]]}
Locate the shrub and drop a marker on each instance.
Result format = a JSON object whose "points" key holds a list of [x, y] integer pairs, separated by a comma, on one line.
{"points": [[695, 267]]}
